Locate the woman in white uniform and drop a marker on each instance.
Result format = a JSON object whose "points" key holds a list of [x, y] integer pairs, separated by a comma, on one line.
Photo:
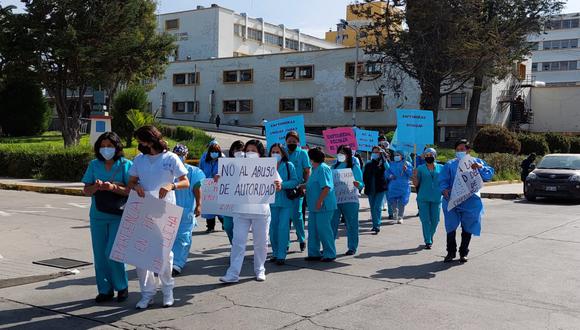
{"points": [[256, 216], [157, 172]]}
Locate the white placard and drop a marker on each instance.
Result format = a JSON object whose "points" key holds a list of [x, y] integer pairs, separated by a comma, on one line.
{"points": [[344, 188], [467, 182], [210, 200], [147, 232], [247, 180]]}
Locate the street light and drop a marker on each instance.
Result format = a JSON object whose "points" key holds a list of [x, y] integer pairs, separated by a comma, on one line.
{"points": [[345, 25]]}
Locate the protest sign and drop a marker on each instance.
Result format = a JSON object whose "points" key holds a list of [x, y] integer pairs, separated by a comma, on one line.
{"points": [[467, 182], [336, 137], [366, 140], [210, 200], [146, 233], [344, 188], [247, 180], [276, 130], [404, 147], [415, 126]]}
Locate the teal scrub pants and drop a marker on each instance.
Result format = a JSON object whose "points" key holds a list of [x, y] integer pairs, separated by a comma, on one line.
{"points": [[298, 220], [429, 213], [350, 212], [229, 227], [320, 232], [280, 231], [110, 275], [376, 204], [183, 240]]}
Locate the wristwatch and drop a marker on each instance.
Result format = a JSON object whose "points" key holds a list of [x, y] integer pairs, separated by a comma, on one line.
{"points": [[174, 186]]}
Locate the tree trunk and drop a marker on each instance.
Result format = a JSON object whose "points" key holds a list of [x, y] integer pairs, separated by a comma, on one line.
{"points": [[69, 116], [474, 107], [430, 98]]}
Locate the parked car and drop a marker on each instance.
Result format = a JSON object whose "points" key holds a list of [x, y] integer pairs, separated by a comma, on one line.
{"points": [[557, 175]]}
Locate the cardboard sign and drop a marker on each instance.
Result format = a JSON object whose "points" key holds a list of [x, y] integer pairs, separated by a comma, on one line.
{"points": [[344, 188], [366, 140], [276, 130], [336, 137], [210, 200], [146, 233], [247, 180], [467, 182], [415, 126]]}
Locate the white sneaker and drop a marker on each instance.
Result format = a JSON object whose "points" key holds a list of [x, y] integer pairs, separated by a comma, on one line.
{"points": [[144, 303], [168, 299], [225, 279], [261, 277], [400, 221]]}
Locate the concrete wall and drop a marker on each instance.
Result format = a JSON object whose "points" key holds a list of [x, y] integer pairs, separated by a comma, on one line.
{"points": [[556, 109]]}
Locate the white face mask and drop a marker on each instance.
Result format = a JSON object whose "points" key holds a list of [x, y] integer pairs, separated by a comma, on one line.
{"points": [[239, 154], [252, 154], [108, 153], [341, 158], [277, 156]]}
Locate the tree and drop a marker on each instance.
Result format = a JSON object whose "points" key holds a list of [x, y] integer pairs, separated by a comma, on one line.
{"points": [[78, 44], [134, 97]]}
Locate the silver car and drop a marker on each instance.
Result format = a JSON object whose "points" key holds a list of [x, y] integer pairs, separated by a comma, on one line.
{"points": [[557, 175]]}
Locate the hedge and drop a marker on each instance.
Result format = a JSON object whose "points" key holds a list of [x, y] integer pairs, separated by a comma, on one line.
{"points": [[506, 166], [533, 143], [558, 143], [575, 145], [492, 139]]}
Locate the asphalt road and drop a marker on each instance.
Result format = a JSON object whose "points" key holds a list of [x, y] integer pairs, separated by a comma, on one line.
{"points": [[522, 274]]}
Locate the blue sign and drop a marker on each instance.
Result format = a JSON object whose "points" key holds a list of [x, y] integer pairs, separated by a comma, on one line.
{"points": [[276, 130], [405, 147], [366, 140], [100, 126], [415, 127]]}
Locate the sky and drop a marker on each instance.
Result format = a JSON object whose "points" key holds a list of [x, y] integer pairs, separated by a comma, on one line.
{"points": [[313, 17]]}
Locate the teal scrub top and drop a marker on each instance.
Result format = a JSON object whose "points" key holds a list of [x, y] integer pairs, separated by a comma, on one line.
{"points": [[288, 182], [299, 158], [356, 171], [320, 178], [97, 171], [429, 183]]}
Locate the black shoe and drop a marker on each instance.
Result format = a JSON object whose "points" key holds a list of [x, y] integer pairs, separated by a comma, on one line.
{"points": [[209, 230], [349, 253], [280, 262], [416, 216], [272, 259], [449, 257], [427, 246], [327, 259], [463, 259], [391, 217], [313, 258], [122, 295], [102, 298], [302, 246], [175, 273]]}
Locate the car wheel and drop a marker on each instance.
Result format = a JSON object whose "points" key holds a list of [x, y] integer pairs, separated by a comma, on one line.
{"points": [[530, 197]]}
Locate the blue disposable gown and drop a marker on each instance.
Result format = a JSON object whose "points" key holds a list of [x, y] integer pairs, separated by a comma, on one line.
{"points": [[399, 187]]}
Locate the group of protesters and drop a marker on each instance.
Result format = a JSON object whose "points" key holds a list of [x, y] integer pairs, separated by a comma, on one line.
{"points": [[304, 181]]}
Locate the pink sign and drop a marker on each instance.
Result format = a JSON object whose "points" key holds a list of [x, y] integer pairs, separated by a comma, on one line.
{"points": [[336, 137]]}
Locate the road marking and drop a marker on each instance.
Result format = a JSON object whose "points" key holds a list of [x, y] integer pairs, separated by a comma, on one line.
{"points": [[21, 211], [5, 214], [47, 206], [80, 205]]}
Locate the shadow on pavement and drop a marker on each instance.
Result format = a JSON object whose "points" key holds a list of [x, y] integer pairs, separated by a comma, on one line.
{"points": [[389, 253], [425, 271]]}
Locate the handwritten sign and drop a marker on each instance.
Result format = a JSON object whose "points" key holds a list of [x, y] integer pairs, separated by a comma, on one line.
{"points": [[415, 126], [247, 180], [210, 200], [276, 130], [366, 140], [344, 188], [146, 233], [467, 182], [336, 137]]}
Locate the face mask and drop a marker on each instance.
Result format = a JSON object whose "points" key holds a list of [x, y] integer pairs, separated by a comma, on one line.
{"points": [[341, 158], [252, 154], [430, 160], [398, 158], [214, 155], [239, 154], [460, 154], [145, 150], [292, 147], [375, 156], [108, 153], [278, 157]]}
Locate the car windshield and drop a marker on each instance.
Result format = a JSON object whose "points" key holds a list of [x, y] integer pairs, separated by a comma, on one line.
{"points": [[568, 162]]}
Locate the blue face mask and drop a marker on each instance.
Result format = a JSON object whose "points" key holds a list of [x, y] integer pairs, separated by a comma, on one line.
{"points": [[398, 158], [108, 153], [375, 156], [278, 157], [460, 154], [214, 155]]}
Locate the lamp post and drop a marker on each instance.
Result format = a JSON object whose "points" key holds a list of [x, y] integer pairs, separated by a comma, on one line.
{"points": [[357, 42]]}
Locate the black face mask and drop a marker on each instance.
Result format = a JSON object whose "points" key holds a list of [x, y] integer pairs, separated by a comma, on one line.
{"points": [[430, 160], [145, 150], [292, 147]]}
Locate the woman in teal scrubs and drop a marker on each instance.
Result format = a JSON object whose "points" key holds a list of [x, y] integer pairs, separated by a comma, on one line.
{"points": [[426, 180], [109, 172], [321, 206]]}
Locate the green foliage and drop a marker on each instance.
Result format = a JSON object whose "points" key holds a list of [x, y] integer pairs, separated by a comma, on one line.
{"points": [[134, 97], [139, 119], [23, 108], [195, 139], [491, 139], [389, 135], [533, 143], [575, 145], [506, 165], [558, 143]]}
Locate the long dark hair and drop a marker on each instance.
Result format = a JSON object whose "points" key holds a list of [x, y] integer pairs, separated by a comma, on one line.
{"points": [[348, 152], [115, 141], [213, 147], [237, 145], [151, 134], [282, 150], [258, 144]]}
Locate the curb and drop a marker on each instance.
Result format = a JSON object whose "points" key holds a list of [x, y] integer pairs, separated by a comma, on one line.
{"points": [[43, 190], [509, 196], [10, 282]]}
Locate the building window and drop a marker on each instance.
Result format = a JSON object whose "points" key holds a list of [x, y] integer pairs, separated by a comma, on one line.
{"points": [[534, 67], [305, 105], [456, 101], [296, 105], [273, 39], [534, 45], [172, 24], [364, 103], [563, 24], [292, 44], [186, 78], [238, 106], [305, 72], [238, 76], [239, 30], [349, 69], [560, 44], [287, 105], [560, 66], [254, 34], [368, 69], [186, 107]]}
